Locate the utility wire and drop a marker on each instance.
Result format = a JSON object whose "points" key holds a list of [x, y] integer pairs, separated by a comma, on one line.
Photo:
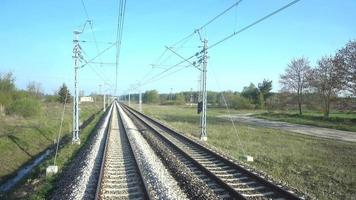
{"points": [[101, 76], [219, 15], [119, 32], [254, 23], [224, 39], [185, 39], [91, 27], [171, 73], [160, 77], [170, 68], [209, 22], [229, 113], [96, 46], [60, 128], [180, 55], [100, 53]]}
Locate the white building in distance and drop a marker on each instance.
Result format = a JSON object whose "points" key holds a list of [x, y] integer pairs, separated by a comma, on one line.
{"points": [[86, 99]]}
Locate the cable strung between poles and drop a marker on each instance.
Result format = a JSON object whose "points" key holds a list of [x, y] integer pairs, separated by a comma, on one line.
{"points": [[119, 32], [254, 23]]}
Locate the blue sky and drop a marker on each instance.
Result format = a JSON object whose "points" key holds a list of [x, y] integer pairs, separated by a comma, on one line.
{"points": [[36, 40]]}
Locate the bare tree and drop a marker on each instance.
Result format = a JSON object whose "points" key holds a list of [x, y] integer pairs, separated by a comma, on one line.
{"points": [[326, 79], [34, 88], [345, 59], [295, 78]]}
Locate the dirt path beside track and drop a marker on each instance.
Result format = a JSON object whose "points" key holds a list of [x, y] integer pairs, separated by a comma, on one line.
{"points": [[296, 128]]}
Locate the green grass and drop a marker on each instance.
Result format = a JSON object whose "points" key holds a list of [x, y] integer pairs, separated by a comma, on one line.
{"points": [[37, 185], [324, 169], [21, 139], [340, 121]]}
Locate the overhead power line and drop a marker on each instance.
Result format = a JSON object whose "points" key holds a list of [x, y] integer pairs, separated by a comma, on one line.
{"points": [[185, 39], [168, 69], [254, 23], [119, 32], [100, 53], [91, 26], [209, 22], [166, 73]]}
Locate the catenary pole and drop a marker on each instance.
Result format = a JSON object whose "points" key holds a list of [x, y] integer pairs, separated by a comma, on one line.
{"points": [[203, 133], [76, 57]]}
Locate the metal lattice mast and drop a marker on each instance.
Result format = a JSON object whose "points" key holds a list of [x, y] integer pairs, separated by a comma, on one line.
{"points": [[104, 102], [76, 60], [203, 133], [129, 98], [140, 100]]}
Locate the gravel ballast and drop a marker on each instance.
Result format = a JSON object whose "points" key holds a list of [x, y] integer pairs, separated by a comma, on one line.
{"points": [[159, 182], [191, 184], [80, 178]]}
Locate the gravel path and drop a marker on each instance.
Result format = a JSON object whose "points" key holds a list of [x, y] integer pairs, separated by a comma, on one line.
{"points": [[159, 183], [80, 178], [296, 128]]}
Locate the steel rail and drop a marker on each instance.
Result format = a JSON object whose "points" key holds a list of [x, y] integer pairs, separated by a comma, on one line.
{"points": [[227, 161]]}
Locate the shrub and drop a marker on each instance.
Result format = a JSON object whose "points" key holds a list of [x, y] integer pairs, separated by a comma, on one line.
{"points": [[239, 102], [25, 107]]}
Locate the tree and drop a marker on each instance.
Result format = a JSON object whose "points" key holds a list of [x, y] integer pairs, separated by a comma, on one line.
{"points": [[326, 79], [179, 99], [345, 59], [295, 78], [63, 93], [151, 96], [7, 82], [251, 93], [265, 91], [34, 89], [25, 107], [7, 90]]}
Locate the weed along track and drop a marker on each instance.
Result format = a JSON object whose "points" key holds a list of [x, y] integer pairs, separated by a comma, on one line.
{"points": [[219, 176]]}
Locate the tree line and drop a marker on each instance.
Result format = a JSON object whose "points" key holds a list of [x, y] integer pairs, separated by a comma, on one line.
{"points": [[26, 102], [333, 76]]}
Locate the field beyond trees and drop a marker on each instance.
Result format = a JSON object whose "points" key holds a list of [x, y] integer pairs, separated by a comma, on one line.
{"points": [[322, 168]]}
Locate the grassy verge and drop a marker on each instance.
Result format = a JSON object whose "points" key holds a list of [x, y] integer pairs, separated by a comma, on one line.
{"points": [[322, 168], [21, 139], [37, 185], [340, 121]]}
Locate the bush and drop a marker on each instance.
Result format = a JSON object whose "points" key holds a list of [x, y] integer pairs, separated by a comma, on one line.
{"points": [[51, 98], [239, 102], [25, 107]]}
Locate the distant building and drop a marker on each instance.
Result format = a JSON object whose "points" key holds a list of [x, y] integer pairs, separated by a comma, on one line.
{"points": [[86, 99]]}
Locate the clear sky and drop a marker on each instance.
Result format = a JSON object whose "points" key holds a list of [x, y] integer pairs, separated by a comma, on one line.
{"points": [[36, 40]]}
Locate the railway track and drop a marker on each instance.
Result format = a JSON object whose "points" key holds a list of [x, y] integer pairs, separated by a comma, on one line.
{"points": [[225, 177], [119, 177]]}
